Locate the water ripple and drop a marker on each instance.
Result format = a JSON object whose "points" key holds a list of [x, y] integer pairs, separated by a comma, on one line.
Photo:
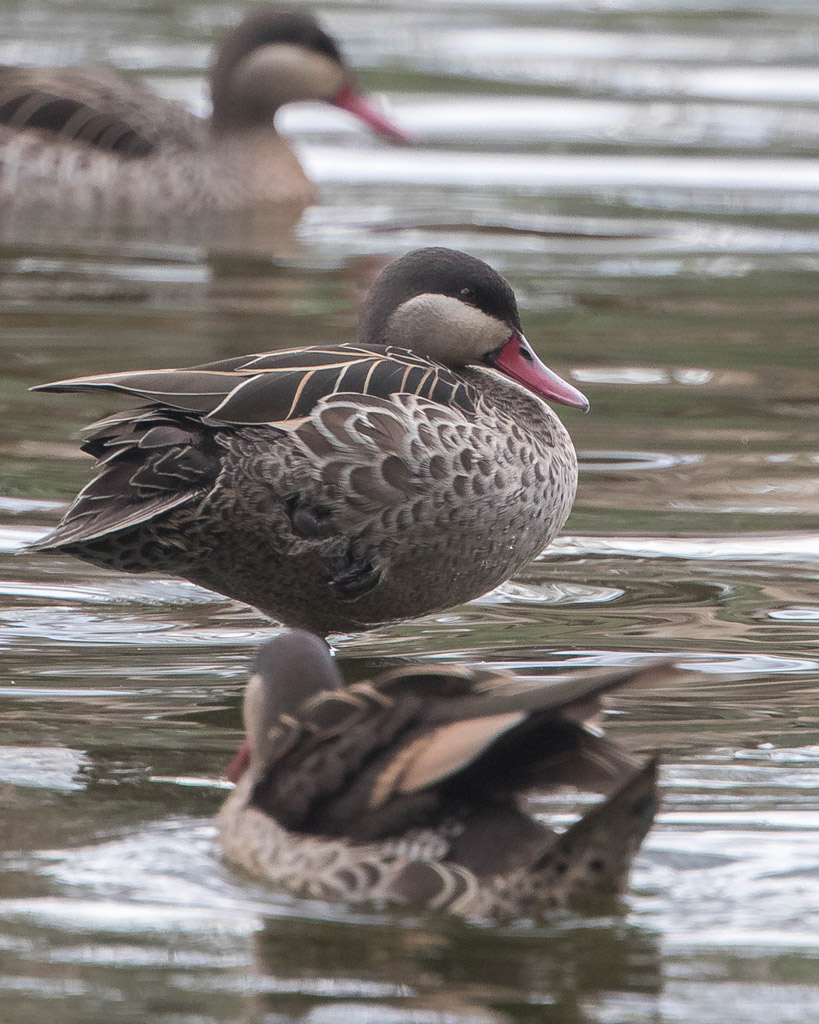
{"points": [[762, 547], [559, 172]]}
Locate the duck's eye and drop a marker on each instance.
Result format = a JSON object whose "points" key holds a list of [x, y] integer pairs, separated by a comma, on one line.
{"points": [[467, 293], [526, 353]]}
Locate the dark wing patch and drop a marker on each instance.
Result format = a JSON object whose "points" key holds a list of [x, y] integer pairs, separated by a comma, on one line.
{"points": [[304, 358], [277, 387], [84, 522], [95, 108], [498, 693], [320, 784], [293, 382], [147, 465], [190, 390], [73, 120], [277, 396]]}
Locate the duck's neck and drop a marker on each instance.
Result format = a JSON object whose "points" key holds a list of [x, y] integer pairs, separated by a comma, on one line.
{"points": [[506, 393], [229, 121], [265, 165]]}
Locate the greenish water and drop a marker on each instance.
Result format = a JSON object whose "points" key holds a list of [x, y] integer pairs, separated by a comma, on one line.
{"points": [[646, 174]]}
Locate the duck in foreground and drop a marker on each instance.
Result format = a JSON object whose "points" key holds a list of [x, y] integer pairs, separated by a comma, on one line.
{"points": [[408, 787], [339, 487], [87, 136]]}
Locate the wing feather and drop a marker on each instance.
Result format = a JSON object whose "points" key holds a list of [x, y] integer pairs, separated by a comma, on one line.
{"points": [[80, 527], [95, 107], [374, 756], [439, 754], [278, 387], [362, 452]]}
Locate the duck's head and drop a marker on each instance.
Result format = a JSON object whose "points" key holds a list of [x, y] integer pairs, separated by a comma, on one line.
{"points": [[275, 57], [289, 669], [457, 310]]}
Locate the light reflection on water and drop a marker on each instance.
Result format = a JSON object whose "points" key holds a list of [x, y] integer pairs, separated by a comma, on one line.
{"points": [[645, 172]]}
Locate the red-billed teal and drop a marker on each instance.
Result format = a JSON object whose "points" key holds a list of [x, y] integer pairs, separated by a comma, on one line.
{"points": [[338, 487], [408, 787], [93, 138]]}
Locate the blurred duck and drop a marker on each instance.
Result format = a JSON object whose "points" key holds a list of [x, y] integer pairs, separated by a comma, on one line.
{"points": [[91, 136], [408, 787], [339, 487]]}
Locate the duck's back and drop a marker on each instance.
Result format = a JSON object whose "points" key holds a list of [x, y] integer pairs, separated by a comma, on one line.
{"points": [[97, 108], [74, 136], [86, 138]]}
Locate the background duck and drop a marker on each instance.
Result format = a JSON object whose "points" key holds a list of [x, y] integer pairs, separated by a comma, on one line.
{"points": [[408, 787], [87, 136], [335, 488]]}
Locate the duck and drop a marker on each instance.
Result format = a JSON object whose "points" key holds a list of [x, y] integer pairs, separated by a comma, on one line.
{"points": [[339, 487], [408, 788], [92, 138]]}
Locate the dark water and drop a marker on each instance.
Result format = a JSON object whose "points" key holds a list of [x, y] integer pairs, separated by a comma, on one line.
{"points": [[646, 173]]}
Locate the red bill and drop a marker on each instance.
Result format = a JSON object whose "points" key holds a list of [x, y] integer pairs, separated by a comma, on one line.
{"points": [[347, 98], [517, 360]]}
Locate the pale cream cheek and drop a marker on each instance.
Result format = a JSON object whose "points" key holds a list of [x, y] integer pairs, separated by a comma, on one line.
{"points": [[287, 73], [445, 329]]}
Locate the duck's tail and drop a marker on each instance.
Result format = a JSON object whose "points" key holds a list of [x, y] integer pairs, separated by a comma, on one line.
{"points": [[594, 856]]}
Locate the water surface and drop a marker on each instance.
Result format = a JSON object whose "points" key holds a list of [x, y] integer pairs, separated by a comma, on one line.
{"points": [[646, 173]]}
